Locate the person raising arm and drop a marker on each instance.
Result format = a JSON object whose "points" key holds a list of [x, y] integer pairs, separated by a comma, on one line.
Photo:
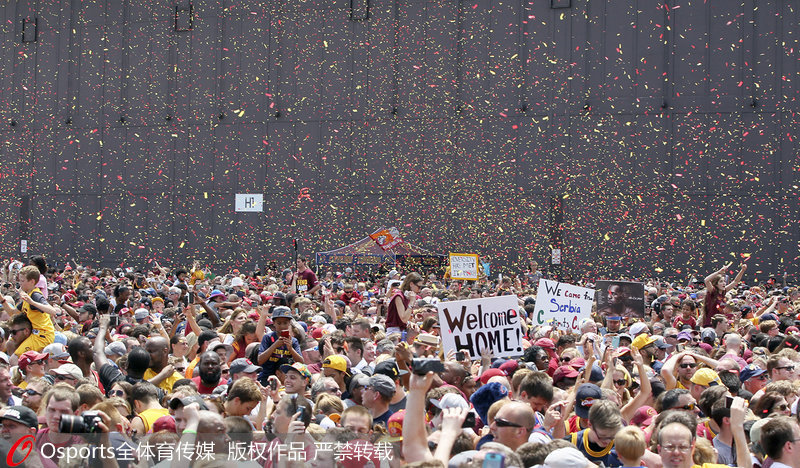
{"points": [[716, 289]]}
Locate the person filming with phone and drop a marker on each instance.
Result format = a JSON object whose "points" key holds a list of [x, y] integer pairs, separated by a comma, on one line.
{"points": [[287, 425], [278, 347]]}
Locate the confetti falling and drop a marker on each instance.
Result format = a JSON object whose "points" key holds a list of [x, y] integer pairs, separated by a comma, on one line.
{"points": [[670, 133]]}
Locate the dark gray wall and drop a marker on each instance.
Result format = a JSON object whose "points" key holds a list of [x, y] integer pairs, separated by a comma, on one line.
{"points": [[668, 129]]}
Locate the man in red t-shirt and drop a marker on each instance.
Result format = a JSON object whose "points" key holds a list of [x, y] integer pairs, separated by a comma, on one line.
{"points": [[210, 368], [304, 281]]}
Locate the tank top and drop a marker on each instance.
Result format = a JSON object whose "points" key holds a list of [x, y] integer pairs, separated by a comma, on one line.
{"points": [[239, 348], [392, 316], [150, 416], [711, 305]]}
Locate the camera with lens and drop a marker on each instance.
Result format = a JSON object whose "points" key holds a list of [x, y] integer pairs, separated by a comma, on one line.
{"points": [[422, 366], [86, 423]]}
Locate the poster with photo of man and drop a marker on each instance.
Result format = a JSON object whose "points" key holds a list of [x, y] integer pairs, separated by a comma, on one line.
{"points": [[620, 299]]}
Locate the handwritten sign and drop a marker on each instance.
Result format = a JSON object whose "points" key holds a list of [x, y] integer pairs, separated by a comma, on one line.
{"points": [[562, 305], [464, 266], [476, 324]]}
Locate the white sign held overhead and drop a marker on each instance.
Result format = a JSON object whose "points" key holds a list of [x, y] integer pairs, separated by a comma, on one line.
{"points": [[463, 266], [476, 324], [249, 202], [562, 305]]}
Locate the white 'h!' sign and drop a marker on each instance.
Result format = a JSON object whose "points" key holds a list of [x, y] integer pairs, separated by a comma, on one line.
{"points": [[249, 202]]}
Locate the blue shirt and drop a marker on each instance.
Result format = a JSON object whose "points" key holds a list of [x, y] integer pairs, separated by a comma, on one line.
{"points": [[594, 453], [279, 357]]}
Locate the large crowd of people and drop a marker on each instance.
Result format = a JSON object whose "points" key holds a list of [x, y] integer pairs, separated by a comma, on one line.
{"points": [[190, 367]]}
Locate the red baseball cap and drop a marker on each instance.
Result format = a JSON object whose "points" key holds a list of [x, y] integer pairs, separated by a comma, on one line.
{"points": [[545, 343], [643, 416], [489, 373], [164, 423], [30, 356], [565, 372]]}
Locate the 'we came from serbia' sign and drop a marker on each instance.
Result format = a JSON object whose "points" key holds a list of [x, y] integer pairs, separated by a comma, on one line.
{"points": [[562, 305], [476, 324]]}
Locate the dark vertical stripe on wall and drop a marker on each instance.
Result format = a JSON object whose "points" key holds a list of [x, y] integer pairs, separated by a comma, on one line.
{"points": [[24, 216]]}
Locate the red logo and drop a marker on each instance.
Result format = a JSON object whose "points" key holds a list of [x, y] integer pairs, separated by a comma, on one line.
{"points": [[27, 443]]}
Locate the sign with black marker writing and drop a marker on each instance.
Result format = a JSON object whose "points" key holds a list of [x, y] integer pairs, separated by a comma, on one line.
{"points": [[476, 324], [562, 305], [463, 266]]}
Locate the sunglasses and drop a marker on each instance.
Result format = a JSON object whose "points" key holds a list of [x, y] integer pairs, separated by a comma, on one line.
{"points": [[689, 407], [60, 378], [625, 358], [566, 359], [621, 382], [688, 366], [500, 422], [781, 407], [31, 392], [788, 368], [14, 332], [116, 393]]}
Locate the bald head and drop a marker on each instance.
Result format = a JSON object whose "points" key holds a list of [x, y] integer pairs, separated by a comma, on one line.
{"points": [[211, 429], [454, 373], [210, 422], [158, 349], [521, 412], [80, 350], [733, 341], [518, 419], [158, 341]]}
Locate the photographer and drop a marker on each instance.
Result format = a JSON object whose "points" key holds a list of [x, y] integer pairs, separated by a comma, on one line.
{"points": [[62, 400], [287, 425], [64, 425]]}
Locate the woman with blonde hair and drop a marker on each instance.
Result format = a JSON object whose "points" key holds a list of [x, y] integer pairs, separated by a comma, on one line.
{"points": [[330, 408], [233, 324]]}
